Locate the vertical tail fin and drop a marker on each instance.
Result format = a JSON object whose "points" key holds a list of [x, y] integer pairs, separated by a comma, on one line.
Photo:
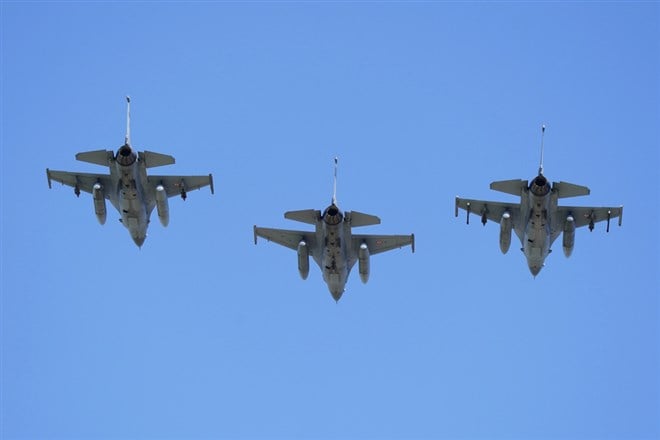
{"points": [[128, 121], [541, 162], [334, 185]]}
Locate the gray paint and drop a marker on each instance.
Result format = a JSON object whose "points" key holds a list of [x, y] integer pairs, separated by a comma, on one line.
{"points": [[538, 220], [332, 244], [128, 187]]}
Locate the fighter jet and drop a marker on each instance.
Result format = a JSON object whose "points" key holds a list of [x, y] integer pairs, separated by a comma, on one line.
{"points": [[129, 189], [333, 245], [537, 220]]}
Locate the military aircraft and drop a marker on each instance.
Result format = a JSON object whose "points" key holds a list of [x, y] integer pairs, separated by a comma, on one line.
{"points": [[537, 220], [129, 189], [333, 245]]}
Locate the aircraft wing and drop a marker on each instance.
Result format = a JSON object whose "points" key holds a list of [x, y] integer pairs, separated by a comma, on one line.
{"points": [[175, 184], [492, 210], [585, 215], [81, 181], [383, 243], [285, 237]]}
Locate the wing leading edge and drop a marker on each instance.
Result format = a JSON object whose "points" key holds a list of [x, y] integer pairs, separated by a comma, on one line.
{"points": [[176, 185], [487, 210], [383, 243], [585, 215], [285, 237], [79, 181]]}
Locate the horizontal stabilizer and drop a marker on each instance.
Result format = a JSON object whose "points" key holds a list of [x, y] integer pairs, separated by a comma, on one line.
{"points": [[152, 159], [311, 216], [360, 219], [565, 189], [515, 186], [98, 157]]}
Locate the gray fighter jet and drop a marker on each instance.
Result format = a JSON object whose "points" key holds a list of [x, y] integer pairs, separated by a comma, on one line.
{"points": [[537, 220], [129, 189], [333, 245]]}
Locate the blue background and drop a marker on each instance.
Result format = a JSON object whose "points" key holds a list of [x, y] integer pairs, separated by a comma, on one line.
{"points": [[200, 334]]}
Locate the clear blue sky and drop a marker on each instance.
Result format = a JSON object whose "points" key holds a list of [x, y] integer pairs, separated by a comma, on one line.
{"points": [[201, 334]]}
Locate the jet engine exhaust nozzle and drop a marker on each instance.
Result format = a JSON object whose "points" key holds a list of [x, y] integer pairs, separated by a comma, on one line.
{"points": [[332, 215], [125, 156], [540, 186]]}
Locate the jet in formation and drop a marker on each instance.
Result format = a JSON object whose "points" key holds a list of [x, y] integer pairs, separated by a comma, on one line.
{"points": [[332, 244], [129, 189], [538, 220]]}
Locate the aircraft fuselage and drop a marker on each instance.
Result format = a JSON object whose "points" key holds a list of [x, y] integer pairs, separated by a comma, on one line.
{"points": [[535, 233], [129, 196], [335, 234]]}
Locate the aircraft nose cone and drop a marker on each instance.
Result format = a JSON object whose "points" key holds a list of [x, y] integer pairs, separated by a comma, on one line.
{"points": [[139, 241], [336, 295], [535, 270]]}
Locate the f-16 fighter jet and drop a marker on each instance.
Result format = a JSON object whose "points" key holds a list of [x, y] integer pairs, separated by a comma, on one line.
{"points": [[129, 189], [538, 220], [332, 244]]}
